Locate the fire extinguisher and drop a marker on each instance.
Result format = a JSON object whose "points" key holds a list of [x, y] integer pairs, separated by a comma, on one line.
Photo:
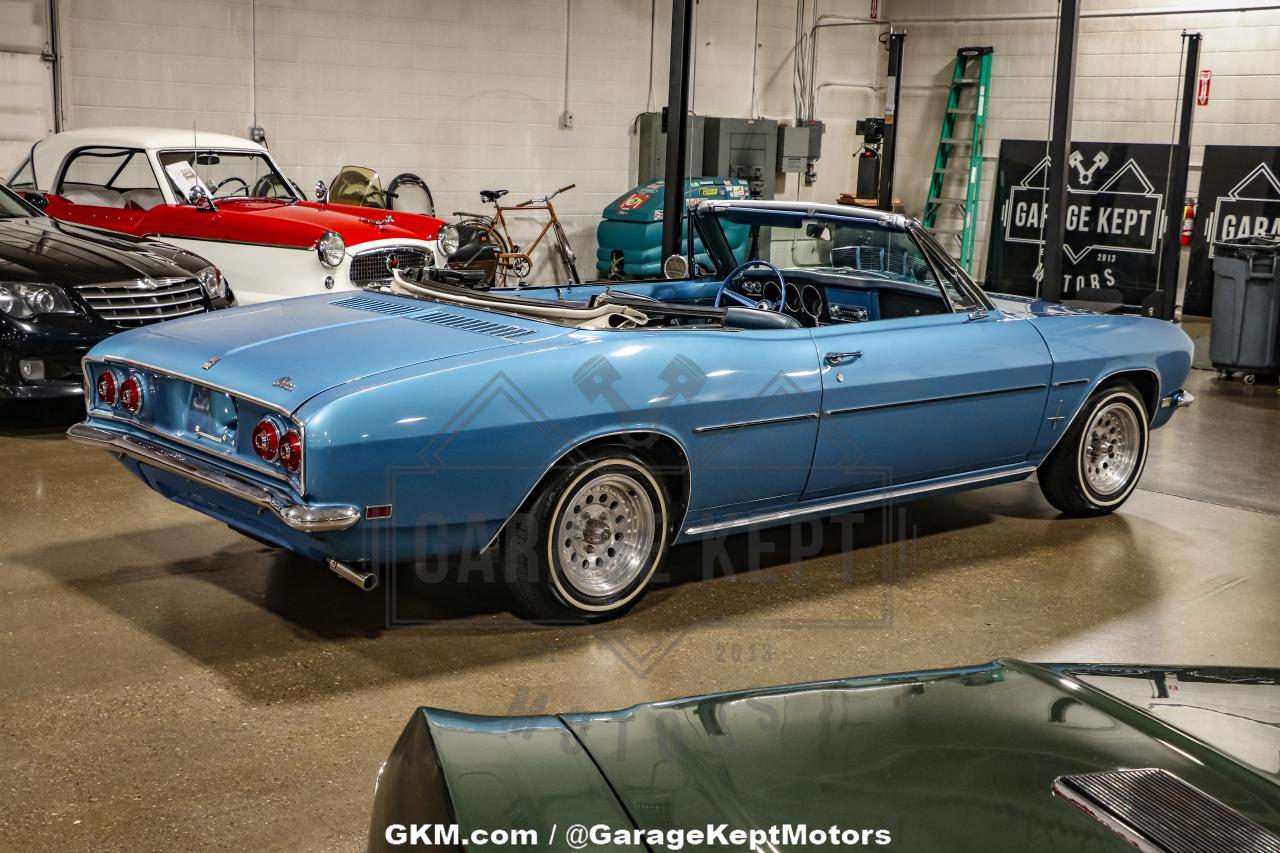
{"points": [[1188, 219]]}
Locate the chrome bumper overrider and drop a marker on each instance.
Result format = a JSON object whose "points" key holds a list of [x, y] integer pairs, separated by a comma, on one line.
{"points": [[1179, 399], [309, 519]]}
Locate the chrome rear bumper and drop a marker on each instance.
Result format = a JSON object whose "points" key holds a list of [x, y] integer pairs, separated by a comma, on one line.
{"points": [[304, 517]]}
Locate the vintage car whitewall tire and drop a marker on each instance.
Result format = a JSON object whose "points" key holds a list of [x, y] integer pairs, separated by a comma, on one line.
{"points": [[1098, 463], [590, 539]]}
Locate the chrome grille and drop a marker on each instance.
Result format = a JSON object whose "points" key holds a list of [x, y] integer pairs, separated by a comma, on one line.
{"points": [[371, 267], [143, 301]]}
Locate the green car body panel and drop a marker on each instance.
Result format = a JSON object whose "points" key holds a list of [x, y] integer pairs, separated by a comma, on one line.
{"points": [[958, 759]]}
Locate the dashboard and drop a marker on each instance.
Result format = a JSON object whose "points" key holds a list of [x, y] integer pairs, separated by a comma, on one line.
{"points": [[817, 298]]}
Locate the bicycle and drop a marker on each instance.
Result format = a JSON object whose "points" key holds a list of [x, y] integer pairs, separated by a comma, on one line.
{"points": [[484, 242]]}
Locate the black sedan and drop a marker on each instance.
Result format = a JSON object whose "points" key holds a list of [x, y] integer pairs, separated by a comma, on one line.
{"points": [[65, 287]]}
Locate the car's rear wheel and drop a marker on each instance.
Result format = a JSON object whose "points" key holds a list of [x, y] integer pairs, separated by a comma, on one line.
{"points": [[590, 539], [1098, 462]]}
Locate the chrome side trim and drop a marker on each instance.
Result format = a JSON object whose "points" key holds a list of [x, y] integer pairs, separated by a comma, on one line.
{"points": [[303, 517], [923, 400], [1065, 383], [160, 235], [1179, 399], [684, 451], [838, 504], [759, 422]]}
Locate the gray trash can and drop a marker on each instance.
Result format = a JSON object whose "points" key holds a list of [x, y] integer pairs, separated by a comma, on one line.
{"points": [[1245, 335]]}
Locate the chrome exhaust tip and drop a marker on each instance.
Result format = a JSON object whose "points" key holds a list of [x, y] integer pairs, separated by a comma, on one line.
{"points": [[367, 581]]}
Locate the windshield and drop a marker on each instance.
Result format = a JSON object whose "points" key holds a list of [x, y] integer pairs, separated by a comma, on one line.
{"points": [[226, 175], [852, 248], [11, 205]]}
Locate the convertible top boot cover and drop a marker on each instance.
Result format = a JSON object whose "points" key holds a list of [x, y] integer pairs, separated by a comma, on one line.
{"points": [[605, 316]]}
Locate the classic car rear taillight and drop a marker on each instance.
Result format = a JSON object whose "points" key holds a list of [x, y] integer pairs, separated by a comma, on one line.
{"points": [[106, 387], [266, 440], [131, 395], [291, 450]]}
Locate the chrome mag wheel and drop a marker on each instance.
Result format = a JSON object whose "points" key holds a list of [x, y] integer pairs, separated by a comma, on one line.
{"points": [[1112, 448], [605, 535]]}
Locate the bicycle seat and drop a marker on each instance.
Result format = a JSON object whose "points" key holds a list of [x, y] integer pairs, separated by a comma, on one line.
{"points": [[492, 195]]}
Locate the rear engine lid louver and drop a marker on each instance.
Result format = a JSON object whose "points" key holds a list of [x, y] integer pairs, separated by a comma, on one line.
{"points": [[434, 316], [380, 306], [1157, 812], [471, 324]]}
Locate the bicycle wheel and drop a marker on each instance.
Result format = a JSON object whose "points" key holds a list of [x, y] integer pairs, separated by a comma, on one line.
{"points": [[479, 245], [409, 193]]}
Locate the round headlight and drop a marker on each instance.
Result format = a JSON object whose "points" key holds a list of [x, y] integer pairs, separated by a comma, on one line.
{"points": [[331, 248], [211, 281], [447, 240]]}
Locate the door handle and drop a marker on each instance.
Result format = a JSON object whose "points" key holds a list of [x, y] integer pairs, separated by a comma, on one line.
{"points": [[834, 358]]}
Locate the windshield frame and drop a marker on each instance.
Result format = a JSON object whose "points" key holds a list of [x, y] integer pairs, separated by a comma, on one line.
{"points": [[770, 212], [181, 198]]}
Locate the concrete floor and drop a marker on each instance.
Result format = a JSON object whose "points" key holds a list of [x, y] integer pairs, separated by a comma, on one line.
{"points": [[169, 684]]}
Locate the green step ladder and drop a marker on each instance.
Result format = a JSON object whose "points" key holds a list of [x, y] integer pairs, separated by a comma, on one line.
{"points": [[957, 167]]}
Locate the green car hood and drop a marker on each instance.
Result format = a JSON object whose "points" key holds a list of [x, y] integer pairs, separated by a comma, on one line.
{"points": [[960, 759]]}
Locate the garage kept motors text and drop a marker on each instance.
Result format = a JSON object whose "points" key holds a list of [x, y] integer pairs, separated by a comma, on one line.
{"points": [[1239, 197], [1113, 226]]}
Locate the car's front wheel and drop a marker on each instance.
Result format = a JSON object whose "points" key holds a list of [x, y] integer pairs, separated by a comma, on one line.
{"points": [[590, 539], [1098, 462]]}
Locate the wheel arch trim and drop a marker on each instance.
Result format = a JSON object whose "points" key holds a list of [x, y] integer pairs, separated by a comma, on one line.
{"points": [[1093, 389], [590, 439]]}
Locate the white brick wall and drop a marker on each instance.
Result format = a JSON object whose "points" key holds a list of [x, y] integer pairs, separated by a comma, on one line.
{"points": [[1127, 82], [469, 95]]}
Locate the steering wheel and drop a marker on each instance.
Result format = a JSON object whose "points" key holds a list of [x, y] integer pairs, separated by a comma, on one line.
{"points": [[765, 304], [222, 183]]}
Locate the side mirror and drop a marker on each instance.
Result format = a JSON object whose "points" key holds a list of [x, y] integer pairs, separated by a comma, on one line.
{"points": [[199, 199], [676, 267], [36, 199], [322, 192]]}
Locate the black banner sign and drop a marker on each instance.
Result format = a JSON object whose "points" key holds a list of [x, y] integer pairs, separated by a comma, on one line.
{"points": [[1114, 220], [1239, 197]]}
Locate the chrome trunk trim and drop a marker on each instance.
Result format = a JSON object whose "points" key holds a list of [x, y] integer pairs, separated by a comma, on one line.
{"points": [[304, 517]]}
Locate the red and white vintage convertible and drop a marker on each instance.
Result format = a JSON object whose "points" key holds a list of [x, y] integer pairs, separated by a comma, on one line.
{"points": [[226, 199]]}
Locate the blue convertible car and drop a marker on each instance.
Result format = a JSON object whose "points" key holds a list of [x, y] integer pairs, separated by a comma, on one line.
{"points": [[578, 432]]}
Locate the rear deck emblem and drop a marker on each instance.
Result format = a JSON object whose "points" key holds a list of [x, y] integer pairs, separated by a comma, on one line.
{"points": [[211, 362], [285, 382]]}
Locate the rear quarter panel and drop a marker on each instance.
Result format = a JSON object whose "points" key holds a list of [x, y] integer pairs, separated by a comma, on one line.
{"points": [[457, 447]]}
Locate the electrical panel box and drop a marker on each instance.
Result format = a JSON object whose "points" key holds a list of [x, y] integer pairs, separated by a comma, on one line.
{"points": [[816, 129], [793, 148], [742, 148], [653, 147]]}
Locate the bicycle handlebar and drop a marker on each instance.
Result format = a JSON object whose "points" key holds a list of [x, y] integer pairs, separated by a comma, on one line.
{"points": [[546, 198]]}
